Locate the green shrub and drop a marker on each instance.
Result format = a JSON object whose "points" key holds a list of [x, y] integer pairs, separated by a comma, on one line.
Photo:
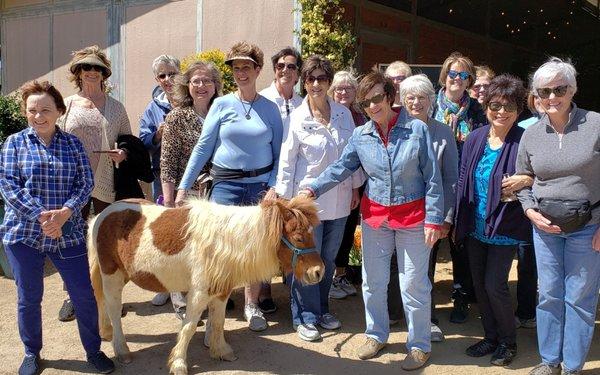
{"points": [[325, 32], [11, 119], [217, 57]]}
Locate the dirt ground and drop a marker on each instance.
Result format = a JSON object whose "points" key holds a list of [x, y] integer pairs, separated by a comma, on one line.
{"points": [[151, 333]]}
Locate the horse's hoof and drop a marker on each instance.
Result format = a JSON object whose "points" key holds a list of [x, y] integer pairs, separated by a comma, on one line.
{"points": [[229, 357], [125, 358]]}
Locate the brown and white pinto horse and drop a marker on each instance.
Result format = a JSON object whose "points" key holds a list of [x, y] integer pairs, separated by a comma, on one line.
{"points": [[203, 248]]}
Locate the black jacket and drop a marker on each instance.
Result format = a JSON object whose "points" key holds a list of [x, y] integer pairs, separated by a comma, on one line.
{"points": [[136, 167]]}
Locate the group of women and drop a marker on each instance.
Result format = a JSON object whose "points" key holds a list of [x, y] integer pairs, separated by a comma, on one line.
{"points": [[422, 167]]}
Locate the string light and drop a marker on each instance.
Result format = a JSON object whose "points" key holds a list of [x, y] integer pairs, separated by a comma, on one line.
{"points": [[450, 11]]}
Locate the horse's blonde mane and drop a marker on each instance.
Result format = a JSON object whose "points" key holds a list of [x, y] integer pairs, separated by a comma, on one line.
{"points": [[235, 245]]}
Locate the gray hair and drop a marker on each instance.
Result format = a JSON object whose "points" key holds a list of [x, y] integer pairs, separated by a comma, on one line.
{"points": [[400, 66], [165, 59], [552, 69], [420, 85], [343, 76]]}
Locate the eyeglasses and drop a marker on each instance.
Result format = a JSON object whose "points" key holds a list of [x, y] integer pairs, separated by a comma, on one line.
{"points": [[205, 82], [399, 78], [413, 98], [559, 91], [480, 86], [508, 107], [463, 75], [166, 75], [281, 66], [375, 99], [342, 89], [319, 79], [88, 67]]}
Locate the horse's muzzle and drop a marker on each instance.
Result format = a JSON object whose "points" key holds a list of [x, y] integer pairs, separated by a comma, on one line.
{"points": [[314, 275]]}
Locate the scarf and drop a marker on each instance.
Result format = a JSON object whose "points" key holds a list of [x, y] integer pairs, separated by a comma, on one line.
{"points": [[454, 115]]}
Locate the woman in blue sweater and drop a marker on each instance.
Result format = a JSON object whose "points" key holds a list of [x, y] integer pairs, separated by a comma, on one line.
{"points": [[241, 136], [488, 219]]}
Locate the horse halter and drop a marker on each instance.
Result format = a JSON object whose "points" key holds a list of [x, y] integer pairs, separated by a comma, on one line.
{"points": [[297, 251]]}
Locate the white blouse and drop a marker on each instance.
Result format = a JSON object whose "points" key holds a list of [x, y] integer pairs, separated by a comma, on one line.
{"points": [[309, 148]]}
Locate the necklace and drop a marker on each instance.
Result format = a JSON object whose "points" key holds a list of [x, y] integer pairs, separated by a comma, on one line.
{"points": [[248, 117]]}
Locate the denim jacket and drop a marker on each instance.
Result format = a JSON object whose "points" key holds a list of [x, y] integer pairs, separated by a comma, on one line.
{"points": [[404, 171]]}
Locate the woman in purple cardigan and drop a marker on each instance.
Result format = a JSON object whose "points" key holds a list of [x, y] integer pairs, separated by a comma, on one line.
{"points": [[489, 219]]}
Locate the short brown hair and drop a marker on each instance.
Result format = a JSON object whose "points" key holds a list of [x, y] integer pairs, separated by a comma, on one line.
{"points": [[508, 87], [371, 80], [457, 57], [247, 49], [80, 55], [43, 87], [315, 62], [181, 92]]}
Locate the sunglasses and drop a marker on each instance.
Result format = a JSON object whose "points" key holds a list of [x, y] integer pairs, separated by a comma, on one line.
{"points": [[166, 75], [319, 79], [88, 67], [290, 66], [375, 99], [559, 91], [508, 107], [480, 86], [463, 75]]}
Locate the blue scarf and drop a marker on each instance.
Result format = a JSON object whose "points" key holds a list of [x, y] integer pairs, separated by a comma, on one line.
{"points": [[455, 115]]}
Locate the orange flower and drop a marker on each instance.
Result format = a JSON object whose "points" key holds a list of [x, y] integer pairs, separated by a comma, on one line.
{"points": [[357, 238]]}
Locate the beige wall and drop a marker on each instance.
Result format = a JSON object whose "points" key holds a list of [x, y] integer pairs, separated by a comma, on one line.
{"points": [[152, 31], [267, 23], [39, 36]]}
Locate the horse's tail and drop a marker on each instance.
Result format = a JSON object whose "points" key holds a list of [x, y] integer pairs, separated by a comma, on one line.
{"points": [[96, 278]]}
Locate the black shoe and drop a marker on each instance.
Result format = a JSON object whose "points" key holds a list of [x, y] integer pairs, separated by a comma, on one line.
{"points": [[67, 311], [267, 306], [481, 348], [30, 365], [504, 354], [230, 305], [123, 311], [101, 363], [460, 312]]}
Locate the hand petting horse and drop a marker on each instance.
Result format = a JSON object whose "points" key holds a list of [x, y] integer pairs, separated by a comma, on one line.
{"points": [[203, 248]]}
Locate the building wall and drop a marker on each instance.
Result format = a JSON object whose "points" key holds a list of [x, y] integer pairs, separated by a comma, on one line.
{"points": [[37, 38], [267, 23]]}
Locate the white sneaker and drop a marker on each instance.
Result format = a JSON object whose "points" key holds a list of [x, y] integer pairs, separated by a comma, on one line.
{"points": [[436, 333], [336, 291], [160, 299], [347, 286], [329, 321], [255, 318], [308, 332]]}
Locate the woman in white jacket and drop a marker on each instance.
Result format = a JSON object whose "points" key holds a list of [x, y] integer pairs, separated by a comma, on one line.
{"points": [[318, 132]]}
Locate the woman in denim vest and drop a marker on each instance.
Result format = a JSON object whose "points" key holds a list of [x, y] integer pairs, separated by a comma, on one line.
{"points": [[402, 211]]}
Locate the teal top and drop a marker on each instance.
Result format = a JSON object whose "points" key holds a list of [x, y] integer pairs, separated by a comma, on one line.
{"points": [[482, 180], [238, 135]]}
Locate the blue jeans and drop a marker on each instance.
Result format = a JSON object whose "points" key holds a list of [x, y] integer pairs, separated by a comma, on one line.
{"points": [[569, 280], [415, 287], [232, 193], [27, 265], [310, 302]]}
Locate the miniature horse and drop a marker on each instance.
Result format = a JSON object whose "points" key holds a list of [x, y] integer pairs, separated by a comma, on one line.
{"points": [[203, 248]]}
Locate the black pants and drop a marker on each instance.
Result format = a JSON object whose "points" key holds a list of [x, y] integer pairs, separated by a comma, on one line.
{"points": [[527, 282], [490, 266], [460, 272]]}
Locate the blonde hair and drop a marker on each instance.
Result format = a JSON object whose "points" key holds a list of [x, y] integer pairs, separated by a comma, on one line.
{"points": [[484, 71], [457, 57], [399, 66]]}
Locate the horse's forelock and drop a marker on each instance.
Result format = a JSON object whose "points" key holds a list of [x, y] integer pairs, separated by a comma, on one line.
{"points": [[305, 210]]}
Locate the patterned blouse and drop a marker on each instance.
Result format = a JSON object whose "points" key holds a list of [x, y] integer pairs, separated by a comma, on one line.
{"points": [[36, 177], [182, 130]]}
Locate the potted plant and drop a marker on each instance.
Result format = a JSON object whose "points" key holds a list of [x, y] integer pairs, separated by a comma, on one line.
{"points": [[11, 121]]}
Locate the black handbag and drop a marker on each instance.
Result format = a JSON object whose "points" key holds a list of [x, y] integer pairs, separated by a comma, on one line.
{"points": [[570, 215]]}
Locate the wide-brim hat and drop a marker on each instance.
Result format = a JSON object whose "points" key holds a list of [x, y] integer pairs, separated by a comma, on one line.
{"points": [[92, 60], [230, 59]]}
